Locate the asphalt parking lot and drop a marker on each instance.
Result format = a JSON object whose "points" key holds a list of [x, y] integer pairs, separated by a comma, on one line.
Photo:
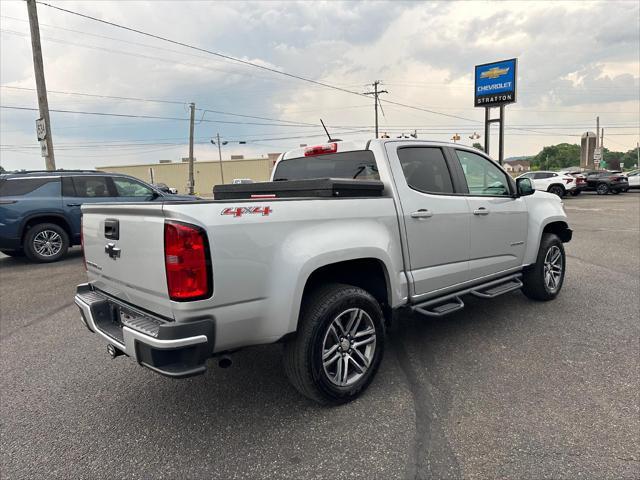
{"points": [[506, 388]]}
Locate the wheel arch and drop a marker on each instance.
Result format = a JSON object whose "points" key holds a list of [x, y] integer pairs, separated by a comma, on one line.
{"points": [[369, 273], [559, 228], [556, 184], [37, 218]]}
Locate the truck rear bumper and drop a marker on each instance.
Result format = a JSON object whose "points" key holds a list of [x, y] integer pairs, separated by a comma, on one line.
{"points": [[173, 349]]}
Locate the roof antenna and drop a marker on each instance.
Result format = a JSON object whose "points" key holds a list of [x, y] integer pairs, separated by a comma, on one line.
{"points": [[327, 132]]}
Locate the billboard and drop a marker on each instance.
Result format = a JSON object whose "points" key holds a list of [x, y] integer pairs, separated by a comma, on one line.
{"points": [[495, 83]]}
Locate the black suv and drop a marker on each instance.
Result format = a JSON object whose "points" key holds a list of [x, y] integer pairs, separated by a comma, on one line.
{"points": [[40, 210], [604, 182]]}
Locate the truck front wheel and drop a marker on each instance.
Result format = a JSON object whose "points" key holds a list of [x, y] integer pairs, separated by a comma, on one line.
{"points": [[339, 344], [543, 281]]}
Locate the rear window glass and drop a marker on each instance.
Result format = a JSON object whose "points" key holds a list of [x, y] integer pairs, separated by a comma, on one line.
{"points": [[425, 169], [92, 187], [22, 186], [360, 164]]}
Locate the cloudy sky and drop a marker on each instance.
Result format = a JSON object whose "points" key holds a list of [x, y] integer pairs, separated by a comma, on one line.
{"points": [[576, 60]]}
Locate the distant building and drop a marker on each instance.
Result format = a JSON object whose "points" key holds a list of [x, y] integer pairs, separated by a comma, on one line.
{"points": [[206, 172], [517, 166], [587, 148]]}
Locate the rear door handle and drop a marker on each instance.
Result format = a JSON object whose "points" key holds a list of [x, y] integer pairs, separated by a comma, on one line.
{"points": [[481, 211], [73, 204], [422, 213]]}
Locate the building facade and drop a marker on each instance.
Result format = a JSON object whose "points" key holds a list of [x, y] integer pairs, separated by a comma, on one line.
{"points": [[517, 166], [206, 173]]}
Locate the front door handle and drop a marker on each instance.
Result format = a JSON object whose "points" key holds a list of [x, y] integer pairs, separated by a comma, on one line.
{"points": [[481, 211], [422, 213], [73, 204]]}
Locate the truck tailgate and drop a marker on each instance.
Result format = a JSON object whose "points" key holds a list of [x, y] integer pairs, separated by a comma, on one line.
{"points": [[124, 251]]}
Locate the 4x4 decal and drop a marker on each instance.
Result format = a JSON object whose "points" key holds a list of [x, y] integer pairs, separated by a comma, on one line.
{"points": [[239, 211]]}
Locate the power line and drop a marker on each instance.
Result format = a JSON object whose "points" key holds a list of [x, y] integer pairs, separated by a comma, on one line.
{"points": [[175, 102], [246, 62], [153, 117], [204, 50]]}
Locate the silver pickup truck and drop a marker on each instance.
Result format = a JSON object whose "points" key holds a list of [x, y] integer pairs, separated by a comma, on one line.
{"points": [[323, 271]]}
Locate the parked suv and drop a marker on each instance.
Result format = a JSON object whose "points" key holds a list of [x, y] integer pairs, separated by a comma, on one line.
{"points": [[604, 182], [581, 180], [40, 210], [557, 183]]}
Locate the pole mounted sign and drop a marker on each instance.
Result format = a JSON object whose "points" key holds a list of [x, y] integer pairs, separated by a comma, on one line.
{"points": [[495, 86], [41, 129], [495, 83]]}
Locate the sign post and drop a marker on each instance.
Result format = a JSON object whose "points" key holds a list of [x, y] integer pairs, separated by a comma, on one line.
{"points": [[597, 157], [495, 86]]}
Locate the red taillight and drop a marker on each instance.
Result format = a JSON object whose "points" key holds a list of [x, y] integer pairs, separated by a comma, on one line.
{"points": [[187, 262], [615, 179], [321, 149]]}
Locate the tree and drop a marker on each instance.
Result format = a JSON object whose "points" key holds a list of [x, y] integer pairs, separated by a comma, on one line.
{"points": [[2, 170], [478, 146], [554, 157]]}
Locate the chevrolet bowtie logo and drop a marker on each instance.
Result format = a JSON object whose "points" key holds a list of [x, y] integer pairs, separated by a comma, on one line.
{"points": [[494, 72], [111, 250]]}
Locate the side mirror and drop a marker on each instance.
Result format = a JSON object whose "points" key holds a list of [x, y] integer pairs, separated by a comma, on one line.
{"points": [[524, 186]]}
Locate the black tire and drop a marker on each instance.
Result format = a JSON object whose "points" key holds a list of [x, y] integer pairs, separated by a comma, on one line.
{"points": [[602, 189], [557, 190], [535, 287], [33, 242], [575, 193], [13, 253], [303, 362]]}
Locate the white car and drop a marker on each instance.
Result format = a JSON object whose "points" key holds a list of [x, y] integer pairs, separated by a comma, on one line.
{"points": [[634, 179], [553, 182]]}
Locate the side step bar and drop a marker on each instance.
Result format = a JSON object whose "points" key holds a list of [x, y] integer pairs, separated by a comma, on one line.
{"points": [[441, 306]]}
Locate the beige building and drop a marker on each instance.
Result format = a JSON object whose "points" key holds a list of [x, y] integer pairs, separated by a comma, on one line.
{"points": [[206, 173], [517, 166]]}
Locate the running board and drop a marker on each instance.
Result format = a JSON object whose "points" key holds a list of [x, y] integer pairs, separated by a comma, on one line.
{"points": [[441, 306]]}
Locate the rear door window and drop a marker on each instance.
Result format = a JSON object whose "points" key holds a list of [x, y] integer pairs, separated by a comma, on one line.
{"points": [[425, 169], [93, 186], [360, 164], [16, 187]]}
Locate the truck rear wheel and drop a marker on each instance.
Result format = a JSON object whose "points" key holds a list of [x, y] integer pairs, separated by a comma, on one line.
{"points": [[544, 280], [339, 344]]}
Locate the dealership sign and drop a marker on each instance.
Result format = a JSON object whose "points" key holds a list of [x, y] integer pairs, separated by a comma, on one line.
{"points": [[495, 83]]}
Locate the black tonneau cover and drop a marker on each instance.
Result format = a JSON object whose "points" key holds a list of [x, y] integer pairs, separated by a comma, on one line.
{"points": [[315, 187]]}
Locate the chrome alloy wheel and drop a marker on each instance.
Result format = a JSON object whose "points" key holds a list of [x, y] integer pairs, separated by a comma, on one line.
{"points": [[47, 243], [348, 347], [553, 268]]}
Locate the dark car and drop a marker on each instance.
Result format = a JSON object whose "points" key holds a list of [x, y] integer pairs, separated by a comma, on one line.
{"points": [[603, 182], [40, 213]]}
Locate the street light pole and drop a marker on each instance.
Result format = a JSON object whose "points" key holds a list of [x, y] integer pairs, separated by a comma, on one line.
{"points": [[220, 158], [192, 107]]}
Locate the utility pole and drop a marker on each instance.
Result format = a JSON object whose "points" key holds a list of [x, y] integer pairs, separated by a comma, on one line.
{"points": [[192, 107], [46, 143], [375, 94], [220, 157]]}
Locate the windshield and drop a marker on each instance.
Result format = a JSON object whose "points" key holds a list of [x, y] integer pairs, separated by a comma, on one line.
{"points": [[360, 164]]}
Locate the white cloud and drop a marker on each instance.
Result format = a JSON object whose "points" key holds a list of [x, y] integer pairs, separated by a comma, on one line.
{"points": [[576, 59]]}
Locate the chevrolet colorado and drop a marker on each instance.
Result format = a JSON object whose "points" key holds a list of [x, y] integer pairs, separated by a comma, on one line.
{"points": [[319, 265]]}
